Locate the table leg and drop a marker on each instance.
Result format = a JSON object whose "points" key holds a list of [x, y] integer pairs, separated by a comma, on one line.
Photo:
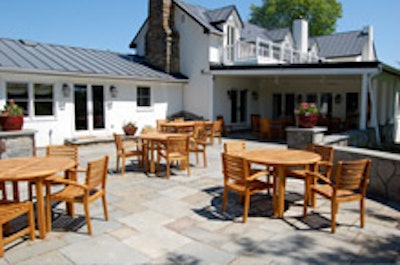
{"points": [[40, 208], [279, 205], [152, 166]]}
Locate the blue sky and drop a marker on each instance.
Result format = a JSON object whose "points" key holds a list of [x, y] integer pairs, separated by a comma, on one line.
{"points": [[111, 25]]}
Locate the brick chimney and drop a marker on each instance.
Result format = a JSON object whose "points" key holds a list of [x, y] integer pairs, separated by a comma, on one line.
{"points": [[162, 41]]}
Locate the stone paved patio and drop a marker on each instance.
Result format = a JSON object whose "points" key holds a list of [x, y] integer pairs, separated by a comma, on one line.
{"points": [[178, 221]]}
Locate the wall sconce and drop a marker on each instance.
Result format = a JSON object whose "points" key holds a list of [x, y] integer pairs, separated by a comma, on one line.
{"points": [[66, 90], [113, 91], [254, 95], [338, 99], [228, 93]]}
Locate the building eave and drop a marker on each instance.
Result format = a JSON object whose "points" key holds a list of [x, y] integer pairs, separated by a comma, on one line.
{"points": [[88, 75], [341, 68]]}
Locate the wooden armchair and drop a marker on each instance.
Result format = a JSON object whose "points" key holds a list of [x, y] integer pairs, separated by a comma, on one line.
{"points": [[265, 128], [237, 178], [10, 211], [217, 131], [198, 143], [349, 184], [85, 193], [324, 166], [176, 149], [238, 147], [70, 151], [135, 150]]}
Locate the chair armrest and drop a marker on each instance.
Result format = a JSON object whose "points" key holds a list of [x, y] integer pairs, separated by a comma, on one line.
{"points": [[258, 175], [316, 175], [69, 182]]}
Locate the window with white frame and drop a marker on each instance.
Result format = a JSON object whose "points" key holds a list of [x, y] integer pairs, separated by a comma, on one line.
{"points": [[19, 92], [36, 102], [43, 99], [143, 96]]}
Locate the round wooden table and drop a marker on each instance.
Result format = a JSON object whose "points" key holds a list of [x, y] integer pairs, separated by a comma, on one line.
{"points": [[149, 140], [281, 159], [35, 169]]}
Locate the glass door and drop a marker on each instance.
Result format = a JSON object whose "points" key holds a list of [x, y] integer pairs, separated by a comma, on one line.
{"points": [[238, 106], [89, 108]]}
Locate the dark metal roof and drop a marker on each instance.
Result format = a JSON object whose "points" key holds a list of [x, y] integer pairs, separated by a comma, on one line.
{"points": [[22, 55], [219, 15], [341, 44]]}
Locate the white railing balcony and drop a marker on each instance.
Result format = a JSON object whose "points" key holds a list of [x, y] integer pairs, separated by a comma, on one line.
{"points": [[264, 52]]}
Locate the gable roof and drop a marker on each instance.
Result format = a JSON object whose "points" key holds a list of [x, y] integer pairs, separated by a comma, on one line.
{"points": [[340, 44], [207, 18], [29, 56]]}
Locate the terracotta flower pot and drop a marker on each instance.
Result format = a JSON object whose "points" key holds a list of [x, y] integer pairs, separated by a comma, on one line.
{"points": [[308, 121], [11, 123], [130, 130]]}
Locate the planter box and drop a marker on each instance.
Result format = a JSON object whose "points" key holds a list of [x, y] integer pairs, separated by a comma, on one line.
{"points": [[11, 123]]}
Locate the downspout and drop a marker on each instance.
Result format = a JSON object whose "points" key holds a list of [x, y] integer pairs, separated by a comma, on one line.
{"points": [[374, 112]]}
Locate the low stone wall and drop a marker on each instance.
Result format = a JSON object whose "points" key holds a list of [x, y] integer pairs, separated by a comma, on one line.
{"points": [[17, 144], [385, 170]]}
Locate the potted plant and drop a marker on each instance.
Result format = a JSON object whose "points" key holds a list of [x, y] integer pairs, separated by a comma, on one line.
{"points": [[130, 128], [306, 115], [12, 117]]}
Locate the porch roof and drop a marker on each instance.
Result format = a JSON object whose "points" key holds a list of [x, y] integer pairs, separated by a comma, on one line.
{"points": [[327, 68], [34, 57]]}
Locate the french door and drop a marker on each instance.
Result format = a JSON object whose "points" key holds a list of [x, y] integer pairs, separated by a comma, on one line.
{"points": [[238, 106], [89, 108]]}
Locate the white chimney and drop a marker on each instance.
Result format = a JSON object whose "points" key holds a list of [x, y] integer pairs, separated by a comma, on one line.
{"points": [[369, 52], [300, 34]]}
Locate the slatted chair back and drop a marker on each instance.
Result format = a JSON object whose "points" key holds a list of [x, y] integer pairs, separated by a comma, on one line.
{"points": [[119, 143], [96, 175], [178, 145], [326, 153], [199, 130], [70, 151], [234, 147], [352, 175], [265, 128], [160, 123], [235, 168]]}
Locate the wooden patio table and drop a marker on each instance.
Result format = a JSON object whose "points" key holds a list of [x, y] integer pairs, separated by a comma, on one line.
{"points": [[149, 142], [35, 169], [281, 159]]}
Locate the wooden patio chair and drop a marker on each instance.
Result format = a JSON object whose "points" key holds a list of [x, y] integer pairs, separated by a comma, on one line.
{"points": [[238, 147], [198, 143], [176, 149], [324, 166], [349, 184], [10, 211], [70, 151], [126, 149], [237, 178], [217, 131], [265, 128], [85, 193]]}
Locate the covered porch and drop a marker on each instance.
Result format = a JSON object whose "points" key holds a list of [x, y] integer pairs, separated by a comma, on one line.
{"points": [[349, 96]]}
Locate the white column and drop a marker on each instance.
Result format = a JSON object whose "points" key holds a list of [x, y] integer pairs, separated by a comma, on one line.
{"points": [[364, 102]]}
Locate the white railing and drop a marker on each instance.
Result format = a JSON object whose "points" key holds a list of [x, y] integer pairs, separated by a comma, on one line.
{"points": [[264, 52]]}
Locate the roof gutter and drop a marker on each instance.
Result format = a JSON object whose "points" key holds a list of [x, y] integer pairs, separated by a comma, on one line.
{"points": [[87, 75]]}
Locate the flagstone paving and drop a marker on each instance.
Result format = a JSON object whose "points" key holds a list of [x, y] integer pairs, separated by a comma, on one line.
{"points": [[154, 220]]}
